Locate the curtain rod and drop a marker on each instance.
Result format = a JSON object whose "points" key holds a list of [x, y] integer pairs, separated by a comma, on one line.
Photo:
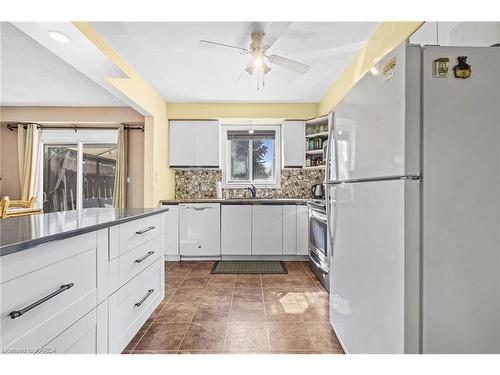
{"points": [[11, 127]]}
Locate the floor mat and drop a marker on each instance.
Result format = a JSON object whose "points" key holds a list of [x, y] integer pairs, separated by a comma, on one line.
{"points": [[248, 267]]}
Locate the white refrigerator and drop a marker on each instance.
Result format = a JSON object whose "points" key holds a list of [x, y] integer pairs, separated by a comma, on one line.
{"points": [[413, 190]]}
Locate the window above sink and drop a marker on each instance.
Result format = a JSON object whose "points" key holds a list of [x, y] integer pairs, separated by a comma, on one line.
{"points": [[251, 155]]}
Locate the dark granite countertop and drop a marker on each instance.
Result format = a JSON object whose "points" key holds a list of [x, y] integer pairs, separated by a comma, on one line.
{"points": [[21, 233], [240, 201]]}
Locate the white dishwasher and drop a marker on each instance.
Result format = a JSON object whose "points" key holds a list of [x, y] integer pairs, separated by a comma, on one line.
{"points": [[199, 229]]}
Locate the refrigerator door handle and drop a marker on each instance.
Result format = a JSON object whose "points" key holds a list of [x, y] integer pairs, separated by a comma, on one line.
{"points": [[329, 149], [331, 216]]}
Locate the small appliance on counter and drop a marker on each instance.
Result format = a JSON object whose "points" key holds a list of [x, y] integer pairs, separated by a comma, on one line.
{"points": [[318, 191]]}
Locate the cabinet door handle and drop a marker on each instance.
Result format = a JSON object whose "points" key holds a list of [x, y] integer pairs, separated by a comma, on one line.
{"points": [[144, 257], [150, 291], [17, 313], [142, 231]]}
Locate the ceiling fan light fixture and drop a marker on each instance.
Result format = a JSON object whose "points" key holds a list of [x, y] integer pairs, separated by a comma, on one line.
{"points": [[249, 69], [258, 61]]}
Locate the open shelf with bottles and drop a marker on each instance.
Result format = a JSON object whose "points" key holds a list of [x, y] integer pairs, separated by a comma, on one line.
{"points": [[316, 138]]}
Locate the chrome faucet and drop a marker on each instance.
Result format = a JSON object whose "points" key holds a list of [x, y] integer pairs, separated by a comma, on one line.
{"points": [[253, 190]]}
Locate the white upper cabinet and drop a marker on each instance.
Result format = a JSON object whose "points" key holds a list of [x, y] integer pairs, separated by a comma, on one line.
{"points": [[194, 144], [293, 143], [206, 144], [181, 143]]}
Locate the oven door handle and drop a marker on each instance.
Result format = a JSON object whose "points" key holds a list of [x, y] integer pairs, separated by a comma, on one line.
{"points": [[318, 265], [317, 216]]}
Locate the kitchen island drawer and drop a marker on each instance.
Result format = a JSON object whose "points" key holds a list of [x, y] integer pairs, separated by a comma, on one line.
{"points": [[132, 304], [127, 236], [38, 306], [89, 335], [127, 266]]}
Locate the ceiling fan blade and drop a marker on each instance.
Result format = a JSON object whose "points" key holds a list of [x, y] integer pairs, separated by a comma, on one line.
{"points": [[273, 32], [239, 77], [289, 64], [222, 46]]}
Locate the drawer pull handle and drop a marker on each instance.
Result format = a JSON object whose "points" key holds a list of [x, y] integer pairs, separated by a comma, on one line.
{"points": [[150, 291], [144, 257], [17, 313], [142, 231]]}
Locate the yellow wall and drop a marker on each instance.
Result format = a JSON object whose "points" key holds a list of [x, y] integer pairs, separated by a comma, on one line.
{"points": [[158, 177], [387, 36], [183, 111]]}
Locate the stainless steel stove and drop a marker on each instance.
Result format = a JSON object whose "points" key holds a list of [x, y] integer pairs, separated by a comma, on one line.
{"points": [[319, 257]]}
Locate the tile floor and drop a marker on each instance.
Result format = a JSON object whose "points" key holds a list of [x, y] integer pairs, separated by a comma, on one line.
{"points": [[215, 314]]}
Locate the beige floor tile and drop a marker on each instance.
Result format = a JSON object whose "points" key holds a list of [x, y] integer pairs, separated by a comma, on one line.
{"points": [[162, 336], [212, 312], [248, 280], [178, 312], [282, 294], [247, 312], [247, 294], [313, 313], [289, 336], [204, 336], [283, 312], [187, 295], [323, 338], [246, 338]]}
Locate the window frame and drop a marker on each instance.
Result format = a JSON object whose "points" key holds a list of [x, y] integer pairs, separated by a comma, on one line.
{"points": [[226, 162]]}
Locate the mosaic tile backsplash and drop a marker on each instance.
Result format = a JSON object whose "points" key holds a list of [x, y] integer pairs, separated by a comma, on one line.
{"points": [[201, 183]]}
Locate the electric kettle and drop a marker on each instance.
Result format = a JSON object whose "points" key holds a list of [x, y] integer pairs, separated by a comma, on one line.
{"points": [[318, 191]]}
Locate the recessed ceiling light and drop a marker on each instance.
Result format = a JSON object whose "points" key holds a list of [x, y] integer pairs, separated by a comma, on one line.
{"points": [[58, 36]]}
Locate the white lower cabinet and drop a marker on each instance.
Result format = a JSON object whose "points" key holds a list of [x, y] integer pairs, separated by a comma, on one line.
{"points": [[132, 304], [267, 230], [64, 291], [172, 232], [87, 336], [302, 230], [236, 230], [199, 229], [290, 230]]}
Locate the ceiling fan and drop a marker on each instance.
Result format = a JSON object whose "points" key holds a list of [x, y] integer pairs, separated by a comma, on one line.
{"points": [[259, 47]]}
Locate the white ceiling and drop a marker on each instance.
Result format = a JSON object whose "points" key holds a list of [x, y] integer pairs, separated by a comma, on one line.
{"points": [[168, 56], [31, 75]]}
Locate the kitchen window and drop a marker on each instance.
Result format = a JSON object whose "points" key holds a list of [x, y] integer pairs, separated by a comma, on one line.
{"points": [[251, 156]]}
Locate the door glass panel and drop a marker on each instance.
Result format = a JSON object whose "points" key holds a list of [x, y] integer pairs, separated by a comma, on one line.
{"points": [[99, 163], [59, 177]]}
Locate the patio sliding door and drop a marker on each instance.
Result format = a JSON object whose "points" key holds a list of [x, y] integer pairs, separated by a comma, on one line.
{"points": [[78, 169]]}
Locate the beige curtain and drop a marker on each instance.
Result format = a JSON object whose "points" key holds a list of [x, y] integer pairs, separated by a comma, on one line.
{"points": [[28, 155], [120, 188]]}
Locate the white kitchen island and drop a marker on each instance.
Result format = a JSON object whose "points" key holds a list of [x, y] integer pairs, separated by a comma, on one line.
{"points": [[80, 281]]}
